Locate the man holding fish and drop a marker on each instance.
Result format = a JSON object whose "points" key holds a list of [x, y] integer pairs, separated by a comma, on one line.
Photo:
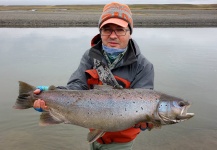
{"points": [[115, 115], [115, 48]]}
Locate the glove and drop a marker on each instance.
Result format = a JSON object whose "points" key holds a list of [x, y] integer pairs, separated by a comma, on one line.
{"points": [[38, 90], [40, 106], [42, 88], [39, 109], [144, 125]]}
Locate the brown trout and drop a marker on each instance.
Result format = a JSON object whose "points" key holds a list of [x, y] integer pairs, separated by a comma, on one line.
{"points": [[105, 110]]}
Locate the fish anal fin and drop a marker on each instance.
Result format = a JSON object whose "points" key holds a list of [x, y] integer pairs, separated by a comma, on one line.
{"points": [[47, 119], [94, 135]]}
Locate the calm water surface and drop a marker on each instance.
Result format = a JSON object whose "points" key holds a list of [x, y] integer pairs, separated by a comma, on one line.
{"points": [[185, 62]]}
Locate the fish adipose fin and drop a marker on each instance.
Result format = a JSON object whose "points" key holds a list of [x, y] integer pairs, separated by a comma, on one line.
{"points": [[47, 119], [25, 99], [94, 135], [52, 87]]}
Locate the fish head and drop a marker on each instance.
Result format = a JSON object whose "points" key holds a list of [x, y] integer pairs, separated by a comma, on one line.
{"points": [[173, 110]]}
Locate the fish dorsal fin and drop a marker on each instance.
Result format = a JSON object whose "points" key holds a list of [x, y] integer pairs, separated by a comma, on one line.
{"points": [[47, 119], [103, 87], [106, 87], [94, 135]]}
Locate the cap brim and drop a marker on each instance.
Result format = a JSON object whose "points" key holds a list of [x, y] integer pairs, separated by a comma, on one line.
{"points": [[116, 21]]}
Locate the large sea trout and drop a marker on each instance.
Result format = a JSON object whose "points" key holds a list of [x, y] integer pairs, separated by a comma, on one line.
{"points": [[105, 110]]}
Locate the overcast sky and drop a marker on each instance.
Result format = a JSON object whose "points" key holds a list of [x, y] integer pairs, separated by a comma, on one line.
{"points": [[68, 2]]}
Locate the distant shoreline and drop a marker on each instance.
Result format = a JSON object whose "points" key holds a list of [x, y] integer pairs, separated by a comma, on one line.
{"points": [[68, 16]]}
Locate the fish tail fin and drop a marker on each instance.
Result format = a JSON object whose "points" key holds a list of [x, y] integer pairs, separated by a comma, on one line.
{"points": [[25, 99]]}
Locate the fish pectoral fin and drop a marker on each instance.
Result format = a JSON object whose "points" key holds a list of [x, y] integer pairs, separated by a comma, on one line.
{"points": [[94, 135], [47, 119], [157, 126]]}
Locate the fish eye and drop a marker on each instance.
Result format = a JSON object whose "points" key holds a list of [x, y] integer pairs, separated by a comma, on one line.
{"points": [[181, 104]]}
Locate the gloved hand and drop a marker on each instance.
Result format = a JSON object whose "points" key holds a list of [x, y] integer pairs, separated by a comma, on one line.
{"points": [[143, 126], [39, 89], [39, 105]]}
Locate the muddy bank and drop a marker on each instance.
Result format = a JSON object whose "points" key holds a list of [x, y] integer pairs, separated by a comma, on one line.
{"points": [[142, 18]]}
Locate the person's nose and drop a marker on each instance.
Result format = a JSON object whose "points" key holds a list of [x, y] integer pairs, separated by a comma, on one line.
{"points": [[113, 34]]}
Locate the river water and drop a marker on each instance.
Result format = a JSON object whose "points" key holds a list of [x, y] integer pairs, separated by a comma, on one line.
{"points": [[185, 61]]}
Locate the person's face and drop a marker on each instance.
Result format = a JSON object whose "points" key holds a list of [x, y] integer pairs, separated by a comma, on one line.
{"points": [[113, 40]]}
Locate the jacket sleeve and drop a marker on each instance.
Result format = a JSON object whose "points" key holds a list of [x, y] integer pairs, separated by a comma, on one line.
{"points": [[144, 77], [78, 80]]}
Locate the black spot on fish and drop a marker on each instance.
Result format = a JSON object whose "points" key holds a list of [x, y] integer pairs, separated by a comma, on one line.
{"points": [[125, 109], [134, 102], [142, 108], [136, 111]]}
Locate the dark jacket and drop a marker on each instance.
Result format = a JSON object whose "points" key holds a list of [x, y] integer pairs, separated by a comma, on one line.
{"points": [[133, 67]]}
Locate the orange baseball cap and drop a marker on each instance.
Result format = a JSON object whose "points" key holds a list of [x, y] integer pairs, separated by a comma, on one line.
{"points": [[116, 21], [116, 13]]}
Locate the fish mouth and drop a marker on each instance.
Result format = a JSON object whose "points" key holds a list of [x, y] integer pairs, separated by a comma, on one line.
{"points": [[178, 118], [184, 115]]}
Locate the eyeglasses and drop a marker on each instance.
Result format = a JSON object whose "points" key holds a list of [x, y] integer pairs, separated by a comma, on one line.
{"points": [[118, 32]]}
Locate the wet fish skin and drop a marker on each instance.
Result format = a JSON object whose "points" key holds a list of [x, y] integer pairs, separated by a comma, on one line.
{"points": [[107, 110]]}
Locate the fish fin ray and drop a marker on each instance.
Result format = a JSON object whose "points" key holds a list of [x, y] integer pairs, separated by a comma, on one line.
{"points": [[25, 99], [102, 87], [47, 119], [105, 87], [94, 135], [25, 87]]}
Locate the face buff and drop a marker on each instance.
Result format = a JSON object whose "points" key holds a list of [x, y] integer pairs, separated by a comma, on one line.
{"points": [[113, 53]]}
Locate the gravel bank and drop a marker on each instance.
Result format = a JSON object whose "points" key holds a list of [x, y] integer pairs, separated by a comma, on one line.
{"points": [[143, 18]]}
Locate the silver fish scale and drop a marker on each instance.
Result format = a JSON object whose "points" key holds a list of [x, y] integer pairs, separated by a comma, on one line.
{"points": [[108, 110]]}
